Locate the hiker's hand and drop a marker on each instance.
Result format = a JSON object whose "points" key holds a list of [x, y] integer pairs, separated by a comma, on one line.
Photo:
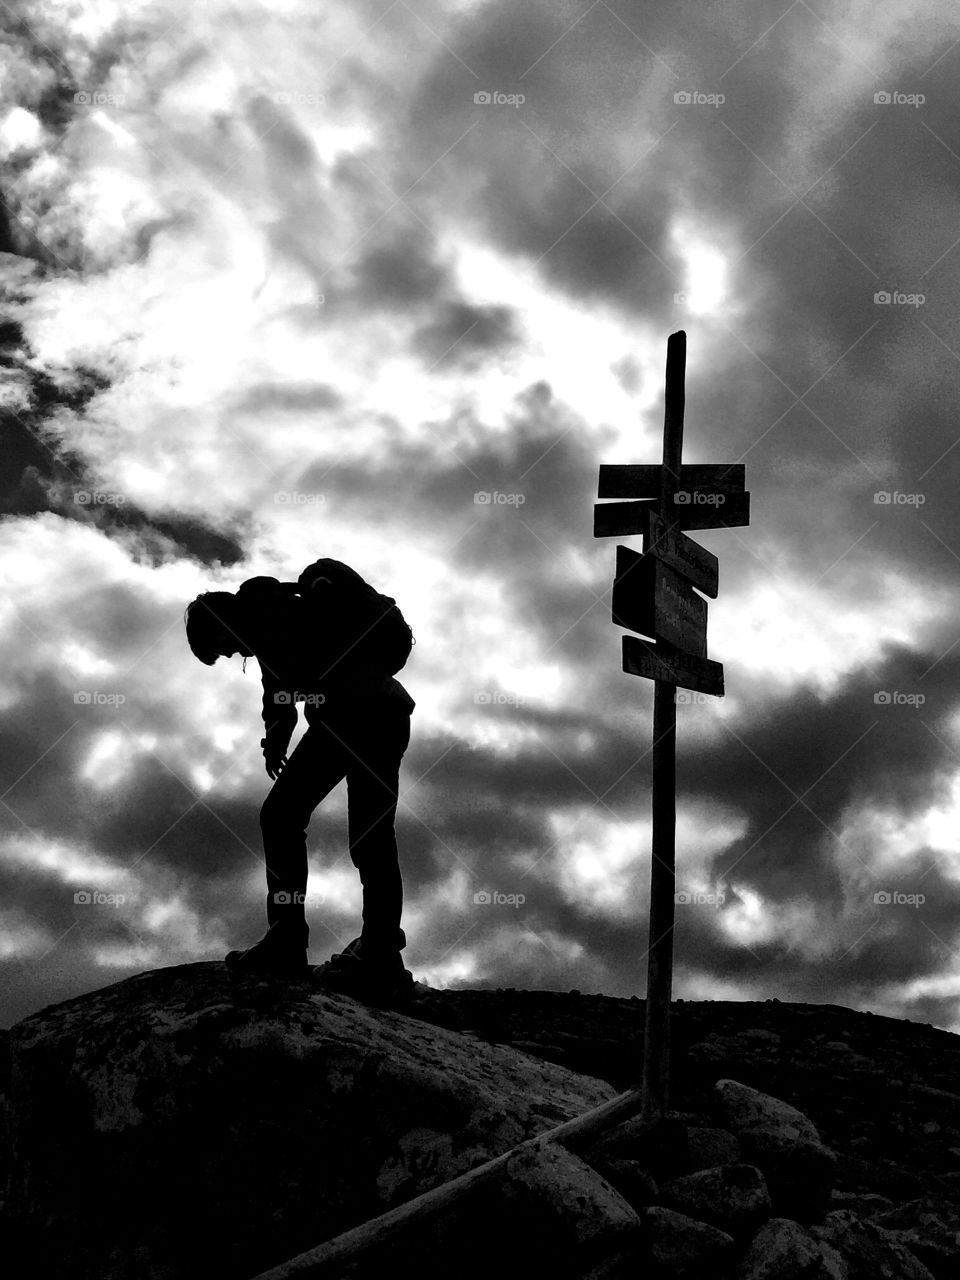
{"points": [[275, 764], [275, 757]]}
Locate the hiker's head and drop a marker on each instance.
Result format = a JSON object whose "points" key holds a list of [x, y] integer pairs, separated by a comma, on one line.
{"points": [[214, 624]]}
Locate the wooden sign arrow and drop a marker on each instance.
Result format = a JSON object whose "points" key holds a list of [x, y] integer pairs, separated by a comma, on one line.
{"points": [[652, 598], [643, 481], [620, 519], [695, 563], [660, 662], [699, 509]]}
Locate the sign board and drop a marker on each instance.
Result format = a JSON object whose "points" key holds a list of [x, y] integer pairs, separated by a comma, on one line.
{"points": [[652, 598], [660, 662], [695, 563], [643, 480], [697, 509]]}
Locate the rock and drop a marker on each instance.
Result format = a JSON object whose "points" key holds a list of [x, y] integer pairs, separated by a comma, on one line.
{"points": [[783, 1143], [780, 1250], [675, 1241], [864, 1205], [930, 1228], [549, 1213], [761, 1034], [869, 1252], [546, 1212], [629, 1178], [707, 1148], [747, 1110], [658, 1144], [731, 1196], [220, 1127], [832, 1263]]}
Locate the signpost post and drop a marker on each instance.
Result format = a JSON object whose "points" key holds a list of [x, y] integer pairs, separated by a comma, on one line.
{"points": [[654, 594]]}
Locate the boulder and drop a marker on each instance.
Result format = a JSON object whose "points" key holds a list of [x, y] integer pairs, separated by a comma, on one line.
{"points": [[554, 1214], [676, 1242], [748, 1111], [546, 1212], [783, 1143], [182, 1123], [708, 1147], [930, 1228], [630, 1179], [868, 1251], [658, 1143], [781, 1250], [863, 1204], [731, 1196]]}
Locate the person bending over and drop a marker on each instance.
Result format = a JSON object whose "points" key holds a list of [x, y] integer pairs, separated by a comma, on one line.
{"points": [[333, 642]]}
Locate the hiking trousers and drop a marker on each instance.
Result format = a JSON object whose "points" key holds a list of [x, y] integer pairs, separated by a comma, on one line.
{"points": [[365, 746]]}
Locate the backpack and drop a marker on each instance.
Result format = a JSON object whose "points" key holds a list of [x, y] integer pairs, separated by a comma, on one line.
{"points": [[354, 616]]}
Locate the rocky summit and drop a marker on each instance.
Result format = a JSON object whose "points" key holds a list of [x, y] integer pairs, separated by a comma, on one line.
{"points": [[185, 1124]]}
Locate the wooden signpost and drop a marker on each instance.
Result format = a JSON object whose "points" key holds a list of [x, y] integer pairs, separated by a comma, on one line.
{"points": [[655, 593]]}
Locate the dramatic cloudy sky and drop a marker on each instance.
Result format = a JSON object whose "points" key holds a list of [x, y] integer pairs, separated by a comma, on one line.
{"points": [[278, 286]]}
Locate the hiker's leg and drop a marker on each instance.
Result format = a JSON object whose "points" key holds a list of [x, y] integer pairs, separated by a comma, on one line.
{"points": [[377, 745], [312, 771]]}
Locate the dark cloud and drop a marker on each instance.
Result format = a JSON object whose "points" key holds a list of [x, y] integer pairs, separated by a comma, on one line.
{"points": [[39, 473], [465, 336], [397, 271]]}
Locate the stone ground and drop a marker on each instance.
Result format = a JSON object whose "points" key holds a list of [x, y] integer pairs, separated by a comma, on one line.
{"points": [[884, 1093]]}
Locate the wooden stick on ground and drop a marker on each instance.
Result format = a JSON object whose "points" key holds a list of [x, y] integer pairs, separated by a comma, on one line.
{"points": [[324, 1261]]}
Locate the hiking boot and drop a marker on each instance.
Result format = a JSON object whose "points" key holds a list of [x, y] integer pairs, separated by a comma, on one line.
{"points": [[348, 956], [383, 983], [278, 954]]}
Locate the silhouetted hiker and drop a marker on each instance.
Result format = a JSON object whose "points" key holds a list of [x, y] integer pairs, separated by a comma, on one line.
{"points": [[334, 642]]}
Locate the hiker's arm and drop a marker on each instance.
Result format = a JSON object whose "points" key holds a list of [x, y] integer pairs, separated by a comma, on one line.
{"points": [[279, 722]]}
